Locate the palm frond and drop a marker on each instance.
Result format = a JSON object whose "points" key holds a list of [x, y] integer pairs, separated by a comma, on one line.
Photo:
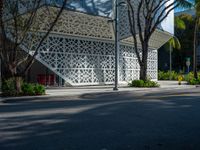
{"points": [[197, 8], [179, 23], [175, 43], [184, 3]]}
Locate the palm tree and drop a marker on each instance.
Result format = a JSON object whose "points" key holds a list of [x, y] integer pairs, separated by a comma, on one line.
{"points": [[174, 41], [196, 30], [179, 23]]}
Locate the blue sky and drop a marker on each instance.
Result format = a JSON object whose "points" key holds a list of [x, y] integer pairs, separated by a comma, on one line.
{"points": [[96, 7]]}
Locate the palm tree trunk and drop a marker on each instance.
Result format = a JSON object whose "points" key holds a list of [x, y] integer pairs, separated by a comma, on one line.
{"points": [[195, 48], [170, 62]]}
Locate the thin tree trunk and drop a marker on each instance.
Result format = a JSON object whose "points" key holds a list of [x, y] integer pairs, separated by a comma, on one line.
{"points": [[17, 78], [18, 82], [195, 49]]}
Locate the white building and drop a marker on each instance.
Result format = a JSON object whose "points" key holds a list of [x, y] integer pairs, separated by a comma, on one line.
{"points": [[80, 49]]}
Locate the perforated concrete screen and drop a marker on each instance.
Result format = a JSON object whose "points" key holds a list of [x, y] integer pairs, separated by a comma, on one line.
{"points": [[80, 49]]}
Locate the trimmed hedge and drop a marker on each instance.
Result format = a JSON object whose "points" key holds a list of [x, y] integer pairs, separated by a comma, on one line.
{"points": [[33, 89], [39, 89], [141, 83], [28, 89]]}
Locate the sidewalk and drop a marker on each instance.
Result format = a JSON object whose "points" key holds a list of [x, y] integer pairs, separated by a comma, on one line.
{"points": [[77, 91], [109, 88]]}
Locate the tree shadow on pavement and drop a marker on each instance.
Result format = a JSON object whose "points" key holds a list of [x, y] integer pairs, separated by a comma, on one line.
{"points": [[111, 121]]}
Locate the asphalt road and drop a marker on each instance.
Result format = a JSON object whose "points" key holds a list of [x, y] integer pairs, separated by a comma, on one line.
{"points": [[154, 120]]}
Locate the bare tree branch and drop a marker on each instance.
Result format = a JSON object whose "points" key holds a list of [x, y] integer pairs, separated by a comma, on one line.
{"points": [[153, 14], [44, 37], [18, 27]]}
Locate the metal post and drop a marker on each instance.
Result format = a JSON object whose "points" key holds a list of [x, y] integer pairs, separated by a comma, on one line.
{"points": [[0, 75], [116, 47], [170, 62]]}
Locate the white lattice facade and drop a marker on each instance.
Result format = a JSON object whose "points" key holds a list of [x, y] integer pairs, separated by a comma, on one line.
{"points": [[80, 49], [83, 61]]}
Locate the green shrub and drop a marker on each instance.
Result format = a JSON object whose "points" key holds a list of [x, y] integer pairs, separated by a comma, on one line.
{"points": [[151, 84], [166, 75], [162, 75], [137, 83], [39, 89], [174, 75], [141, 83], [191, 80], [189, 76], [28, 89], [33, 89], [8, 87]]}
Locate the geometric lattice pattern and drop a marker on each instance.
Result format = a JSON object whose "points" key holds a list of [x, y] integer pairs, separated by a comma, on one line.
{"points": [[90, 62], [80, 49], [77, 24]]}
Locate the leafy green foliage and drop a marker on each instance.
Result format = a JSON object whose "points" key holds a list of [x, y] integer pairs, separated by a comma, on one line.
{"points": [[175, 43], [39, 89], [166, 75], [185, 37], [188, 77], [191, 80], [137, 83], [28, 89], [179, 23], [33, 89], [141, 83], [8, 87]]}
